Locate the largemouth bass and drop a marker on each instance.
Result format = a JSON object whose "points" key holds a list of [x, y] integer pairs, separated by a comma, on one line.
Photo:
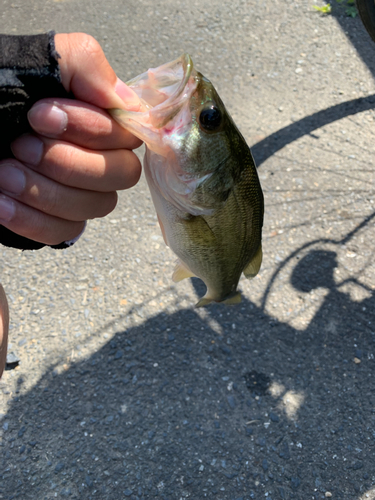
{"points": [[201, 175]]}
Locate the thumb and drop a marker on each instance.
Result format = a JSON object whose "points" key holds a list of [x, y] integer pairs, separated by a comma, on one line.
{"points": [[86, 73]]}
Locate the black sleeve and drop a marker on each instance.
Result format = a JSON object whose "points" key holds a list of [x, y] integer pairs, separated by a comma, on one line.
{"points": [[29, 71]]}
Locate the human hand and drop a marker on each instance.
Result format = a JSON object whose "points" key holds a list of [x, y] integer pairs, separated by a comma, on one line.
{"points": [[70, 170]]}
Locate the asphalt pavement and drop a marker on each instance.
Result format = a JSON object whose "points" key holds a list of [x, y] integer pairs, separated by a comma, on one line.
{"points": [[123, 389]]}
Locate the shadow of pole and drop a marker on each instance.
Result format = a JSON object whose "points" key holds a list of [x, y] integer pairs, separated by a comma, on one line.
{"points": [[342, 241], [278, 140]]}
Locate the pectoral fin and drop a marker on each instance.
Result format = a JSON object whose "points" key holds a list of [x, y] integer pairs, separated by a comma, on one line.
{"points": [[181, 272], [162, 230], [252, 269]]}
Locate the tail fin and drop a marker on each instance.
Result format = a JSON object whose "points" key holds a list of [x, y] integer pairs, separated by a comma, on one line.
{"points": [[233, 298], [204, 301]]}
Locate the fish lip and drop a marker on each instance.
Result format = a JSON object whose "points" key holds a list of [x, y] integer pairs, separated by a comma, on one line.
{"points": [[187, 64], [173, 101], [162, 93], [164, 112]]}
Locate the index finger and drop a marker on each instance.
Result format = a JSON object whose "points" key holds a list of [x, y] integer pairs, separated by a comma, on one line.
{"points": [[80, 123]]}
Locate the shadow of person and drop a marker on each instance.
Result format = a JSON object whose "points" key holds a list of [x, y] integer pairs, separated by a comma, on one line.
{"points": [[167, 409]]}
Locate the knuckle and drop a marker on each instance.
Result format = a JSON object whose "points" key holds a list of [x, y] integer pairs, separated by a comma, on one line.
{"points": [[51, 231], [98, 130], [133, 169], [90, 45], [60, 159], [39, 229], [43, 227], [50, 202], [109, 202], [132, 141], [112, 202]]}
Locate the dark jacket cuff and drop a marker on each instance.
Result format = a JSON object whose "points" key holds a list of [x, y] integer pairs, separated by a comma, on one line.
{"points": [[29, 71]]}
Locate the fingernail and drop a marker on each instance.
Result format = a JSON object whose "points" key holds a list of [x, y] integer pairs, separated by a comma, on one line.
{"points": [[48, 119], [12, 179], [7, 208], [28, 149], [130, 98]]}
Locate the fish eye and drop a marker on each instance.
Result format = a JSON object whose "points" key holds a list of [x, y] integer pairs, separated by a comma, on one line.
{"points": [[210, 118]]}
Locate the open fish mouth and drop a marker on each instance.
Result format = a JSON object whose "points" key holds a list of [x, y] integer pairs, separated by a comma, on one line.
{"points": [[162, 93]]}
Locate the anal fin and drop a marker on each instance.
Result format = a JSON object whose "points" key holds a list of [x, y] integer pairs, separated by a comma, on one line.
{"points": [[252, 269], [181, 272]]}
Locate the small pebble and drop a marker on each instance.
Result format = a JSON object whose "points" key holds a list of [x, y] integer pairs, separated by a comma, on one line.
{"points": [[118, 354], [328, 494], [284, 451], [274, 417], [295, 482], [59, 467], [12, 358], [231, 402]]}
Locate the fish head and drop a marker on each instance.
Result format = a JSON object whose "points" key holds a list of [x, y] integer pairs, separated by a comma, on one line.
{"points": [[189, 134]]}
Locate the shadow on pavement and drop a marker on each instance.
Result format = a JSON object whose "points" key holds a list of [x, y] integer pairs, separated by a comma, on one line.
{"points": [[226, 404], [321, 241], [355, 32], [271, 144]]}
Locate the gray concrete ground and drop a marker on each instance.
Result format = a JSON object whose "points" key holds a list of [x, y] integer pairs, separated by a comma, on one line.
{"points": [[123, 389]]}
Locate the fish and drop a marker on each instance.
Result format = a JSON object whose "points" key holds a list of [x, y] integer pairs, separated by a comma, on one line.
{"points": [[201, 175]]}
